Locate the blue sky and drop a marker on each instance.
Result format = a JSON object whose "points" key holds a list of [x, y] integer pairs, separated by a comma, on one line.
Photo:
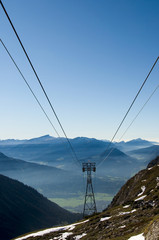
{"points": [[91, 56]]}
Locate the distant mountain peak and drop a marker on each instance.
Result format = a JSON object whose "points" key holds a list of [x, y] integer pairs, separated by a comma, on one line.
{"points": [[41, 139], [137, 140], [44, 137], [2, 155]]}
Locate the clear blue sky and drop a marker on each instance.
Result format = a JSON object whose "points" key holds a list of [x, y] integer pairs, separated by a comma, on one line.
{"points": [[91, 56]]}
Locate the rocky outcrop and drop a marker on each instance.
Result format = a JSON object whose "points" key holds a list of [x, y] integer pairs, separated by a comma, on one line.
{"points": [[153, 162], [153, 231], [128, 191]]}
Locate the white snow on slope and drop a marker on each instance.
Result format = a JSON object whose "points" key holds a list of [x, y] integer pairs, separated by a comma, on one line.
{"points": [[123, 213], [63, 236], [140, 198], [150, 168], [55, 229], [122, 226], [79, 236], [143, 188], [134, 210], [104, 219], [137, 237], [126, 206]]}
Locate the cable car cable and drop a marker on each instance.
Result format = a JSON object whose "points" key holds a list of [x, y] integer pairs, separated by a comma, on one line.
{"points": [[32, 92], [131, 122], [42, 87], [129, 110], [29, 87]]}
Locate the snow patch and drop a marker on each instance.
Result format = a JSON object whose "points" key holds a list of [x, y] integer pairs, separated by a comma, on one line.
{"points": [[72, 227], [149, 168], [122, 226], [152, 203], [140, 198], [143, 180], [63, 236], [143, 188], [79, 236], [157, 180], [123, 213], [55, 229], [134, 210], [104, 219], [137, 237], [126, 206]]}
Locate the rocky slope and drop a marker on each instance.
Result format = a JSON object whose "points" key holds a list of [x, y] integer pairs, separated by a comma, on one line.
{"points": [[132, 215]]}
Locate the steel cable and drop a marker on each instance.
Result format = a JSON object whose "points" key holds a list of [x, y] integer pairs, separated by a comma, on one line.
{"points": [[42, 87]]}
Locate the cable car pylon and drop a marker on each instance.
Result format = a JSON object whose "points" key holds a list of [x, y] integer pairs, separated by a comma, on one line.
{"points": [[89, 202]]}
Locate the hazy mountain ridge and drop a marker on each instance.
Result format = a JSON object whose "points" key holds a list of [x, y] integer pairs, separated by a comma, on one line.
{"points": [[52, 152], [134, 211], [133, 144], [43, 139], [20, 169], [38, 176], [47, 149], [57, 154], [145, 154], [23, 209], [39, 148], [53, 182]]}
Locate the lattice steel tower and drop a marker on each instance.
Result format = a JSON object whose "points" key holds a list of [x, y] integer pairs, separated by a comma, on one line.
{"points": [[89, 203]]}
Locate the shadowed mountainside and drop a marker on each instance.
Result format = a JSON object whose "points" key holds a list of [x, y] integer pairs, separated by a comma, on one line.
{"points": [[23, 209]]}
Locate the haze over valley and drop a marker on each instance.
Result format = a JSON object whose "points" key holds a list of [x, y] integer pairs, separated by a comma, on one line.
{"points": [[45, 163]]}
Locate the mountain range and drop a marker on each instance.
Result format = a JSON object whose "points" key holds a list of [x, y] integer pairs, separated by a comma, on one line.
{"points": [[133, 144], [145, 154], [55, 152], [46, 164]]}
